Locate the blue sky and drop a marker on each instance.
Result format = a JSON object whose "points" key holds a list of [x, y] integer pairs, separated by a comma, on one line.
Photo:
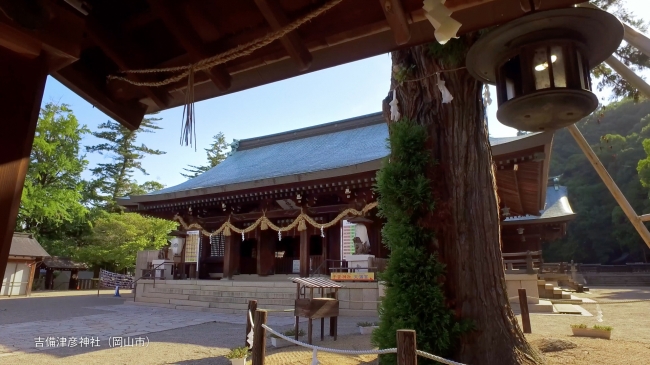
{"points": [[337, 93]]}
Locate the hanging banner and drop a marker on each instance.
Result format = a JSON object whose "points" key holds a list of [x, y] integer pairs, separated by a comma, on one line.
{"points": [[192, 246], [109, 279]]}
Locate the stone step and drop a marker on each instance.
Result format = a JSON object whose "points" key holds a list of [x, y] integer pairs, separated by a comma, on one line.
{"points": [[541, 282], [230, 294], [566, 295], [548, 286]]}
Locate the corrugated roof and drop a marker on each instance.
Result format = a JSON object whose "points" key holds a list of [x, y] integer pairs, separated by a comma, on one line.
{"points": [[557, 207], [24, 244], [323, 147]]}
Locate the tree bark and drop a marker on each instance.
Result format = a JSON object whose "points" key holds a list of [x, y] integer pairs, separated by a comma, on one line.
{"points": [[466, 217]]}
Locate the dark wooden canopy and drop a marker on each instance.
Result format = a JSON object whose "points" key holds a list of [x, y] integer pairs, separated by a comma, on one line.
{"points": [[86, 40]]}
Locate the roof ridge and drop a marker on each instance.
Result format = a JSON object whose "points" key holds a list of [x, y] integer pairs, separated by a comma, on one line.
{"points": [[317, 130]]}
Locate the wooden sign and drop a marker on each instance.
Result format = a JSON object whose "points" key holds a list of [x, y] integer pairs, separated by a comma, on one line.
{"points": [[352, 276]]}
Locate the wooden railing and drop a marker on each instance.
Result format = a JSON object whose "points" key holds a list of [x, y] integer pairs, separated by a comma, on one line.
{"points": [[529, 261], [628, 268]]}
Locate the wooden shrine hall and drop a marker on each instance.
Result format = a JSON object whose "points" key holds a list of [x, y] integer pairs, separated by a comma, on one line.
{"points": [[327, 173], [81, 43]]}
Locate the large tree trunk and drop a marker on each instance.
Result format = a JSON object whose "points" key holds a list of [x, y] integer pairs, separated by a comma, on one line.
{"points": [[466, 218]]}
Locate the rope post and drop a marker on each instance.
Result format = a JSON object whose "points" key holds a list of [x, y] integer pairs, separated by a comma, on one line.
{"points": [[259, 337], [252, 307], [525, 316], [406, 347]]}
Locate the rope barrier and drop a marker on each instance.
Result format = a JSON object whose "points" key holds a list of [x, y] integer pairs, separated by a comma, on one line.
{"points": [[437, 358], [315, 350], [329, 350]]}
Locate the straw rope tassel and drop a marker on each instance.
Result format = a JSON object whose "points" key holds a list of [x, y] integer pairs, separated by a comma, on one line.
{"points": [[188, 127], [301, 225], [264, 226]]}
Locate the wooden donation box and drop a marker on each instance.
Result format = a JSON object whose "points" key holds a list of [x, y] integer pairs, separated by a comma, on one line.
{"points": [[325, 306]]}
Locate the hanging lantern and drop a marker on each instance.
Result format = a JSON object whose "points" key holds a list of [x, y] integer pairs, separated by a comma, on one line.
{"points": [[540, 64], [177, 241]]}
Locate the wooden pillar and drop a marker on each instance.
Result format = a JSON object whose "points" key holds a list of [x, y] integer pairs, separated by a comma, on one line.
{"points": [[72, 284], [229, 258], [32, 272], [406, 346], [525, 316], [22, 82], [259, 337], [325, 265], [49, 279], [304, 254], [265, 252]]}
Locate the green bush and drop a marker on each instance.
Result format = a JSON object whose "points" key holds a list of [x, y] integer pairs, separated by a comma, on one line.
{"points": [[414, 296], [237, 353], [578, 326], [604, 328], [290, 333]]}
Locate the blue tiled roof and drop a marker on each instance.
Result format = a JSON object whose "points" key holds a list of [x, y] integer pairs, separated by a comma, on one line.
{"points": [[301, 155], [311, 154], [557, 206]]}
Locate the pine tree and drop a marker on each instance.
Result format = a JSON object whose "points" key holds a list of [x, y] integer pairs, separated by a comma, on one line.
{"points": [[216, 154], [115, 179]]}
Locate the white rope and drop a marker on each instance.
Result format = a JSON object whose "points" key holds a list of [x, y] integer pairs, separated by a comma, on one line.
{"points": [[332, 351], [250, 335], [437, 358]]}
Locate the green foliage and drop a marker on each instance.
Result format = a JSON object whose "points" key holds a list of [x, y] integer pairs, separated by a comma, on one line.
{"points": [[601, 233], [414, 299], [51, 205], [115, 178], [603, 328], [216, 154], [237, 353], [116, 239], [578, 326], [290, 333], [626, 53]]}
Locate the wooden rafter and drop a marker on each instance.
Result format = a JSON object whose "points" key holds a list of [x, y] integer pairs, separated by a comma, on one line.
{"points": [[129, 116], [397, 20], [274, 15], [183, 31], [122, 54], [519, 200]]}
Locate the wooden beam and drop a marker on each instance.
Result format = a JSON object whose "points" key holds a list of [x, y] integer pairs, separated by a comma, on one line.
{"points": [[645, 218], [628, 75], [274, 15], [184, 32], [21, 93], [19, 42], [394, 12], [123, 54], [304, 253], [128, 116], [611, 185]]}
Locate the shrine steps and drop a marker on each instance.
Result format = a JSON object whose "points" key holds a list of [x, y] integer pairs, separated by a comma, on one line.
{"points": [[232, 297]]}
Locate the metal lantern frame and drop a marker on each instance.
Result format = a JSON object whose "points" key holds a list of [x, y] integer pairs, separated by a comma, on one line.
{"points": [[541, 64]]}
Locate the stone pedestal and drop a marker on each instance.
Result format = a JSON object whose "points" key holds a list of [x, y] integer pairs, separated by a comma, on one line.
{"points": [[359, 262], [166, 265]]}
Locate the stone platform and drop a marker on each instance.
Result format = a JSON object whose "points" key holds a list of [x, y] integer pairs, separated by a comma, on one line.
{"points": [[232, 296]]}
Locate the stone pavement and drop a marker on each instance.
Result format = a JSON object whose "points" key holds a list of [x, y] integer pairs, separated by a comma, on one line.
{"points": [[48, 324], [117, 321]]}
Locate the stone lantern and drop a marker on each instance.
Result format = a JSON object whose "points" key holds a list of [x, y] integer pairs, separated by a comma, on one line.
{"points": [[541, 63]]}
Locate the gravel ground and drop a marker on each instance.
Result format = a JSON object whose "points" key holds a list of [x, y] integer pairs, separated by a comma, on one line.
{"points": [[207, 343], [630, 341]]}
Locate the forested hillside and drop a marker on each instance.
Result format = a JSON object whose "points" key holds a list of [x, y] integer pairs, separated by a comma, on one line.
{"points": [[601, 233]]}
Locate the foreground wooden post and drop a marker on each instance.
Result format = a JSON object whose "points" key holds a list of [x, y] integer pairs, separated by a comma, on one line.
{"points": [[525, 316], [636, 221], [252, 308], [22, 81], [406, 346], [259, 337]]}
